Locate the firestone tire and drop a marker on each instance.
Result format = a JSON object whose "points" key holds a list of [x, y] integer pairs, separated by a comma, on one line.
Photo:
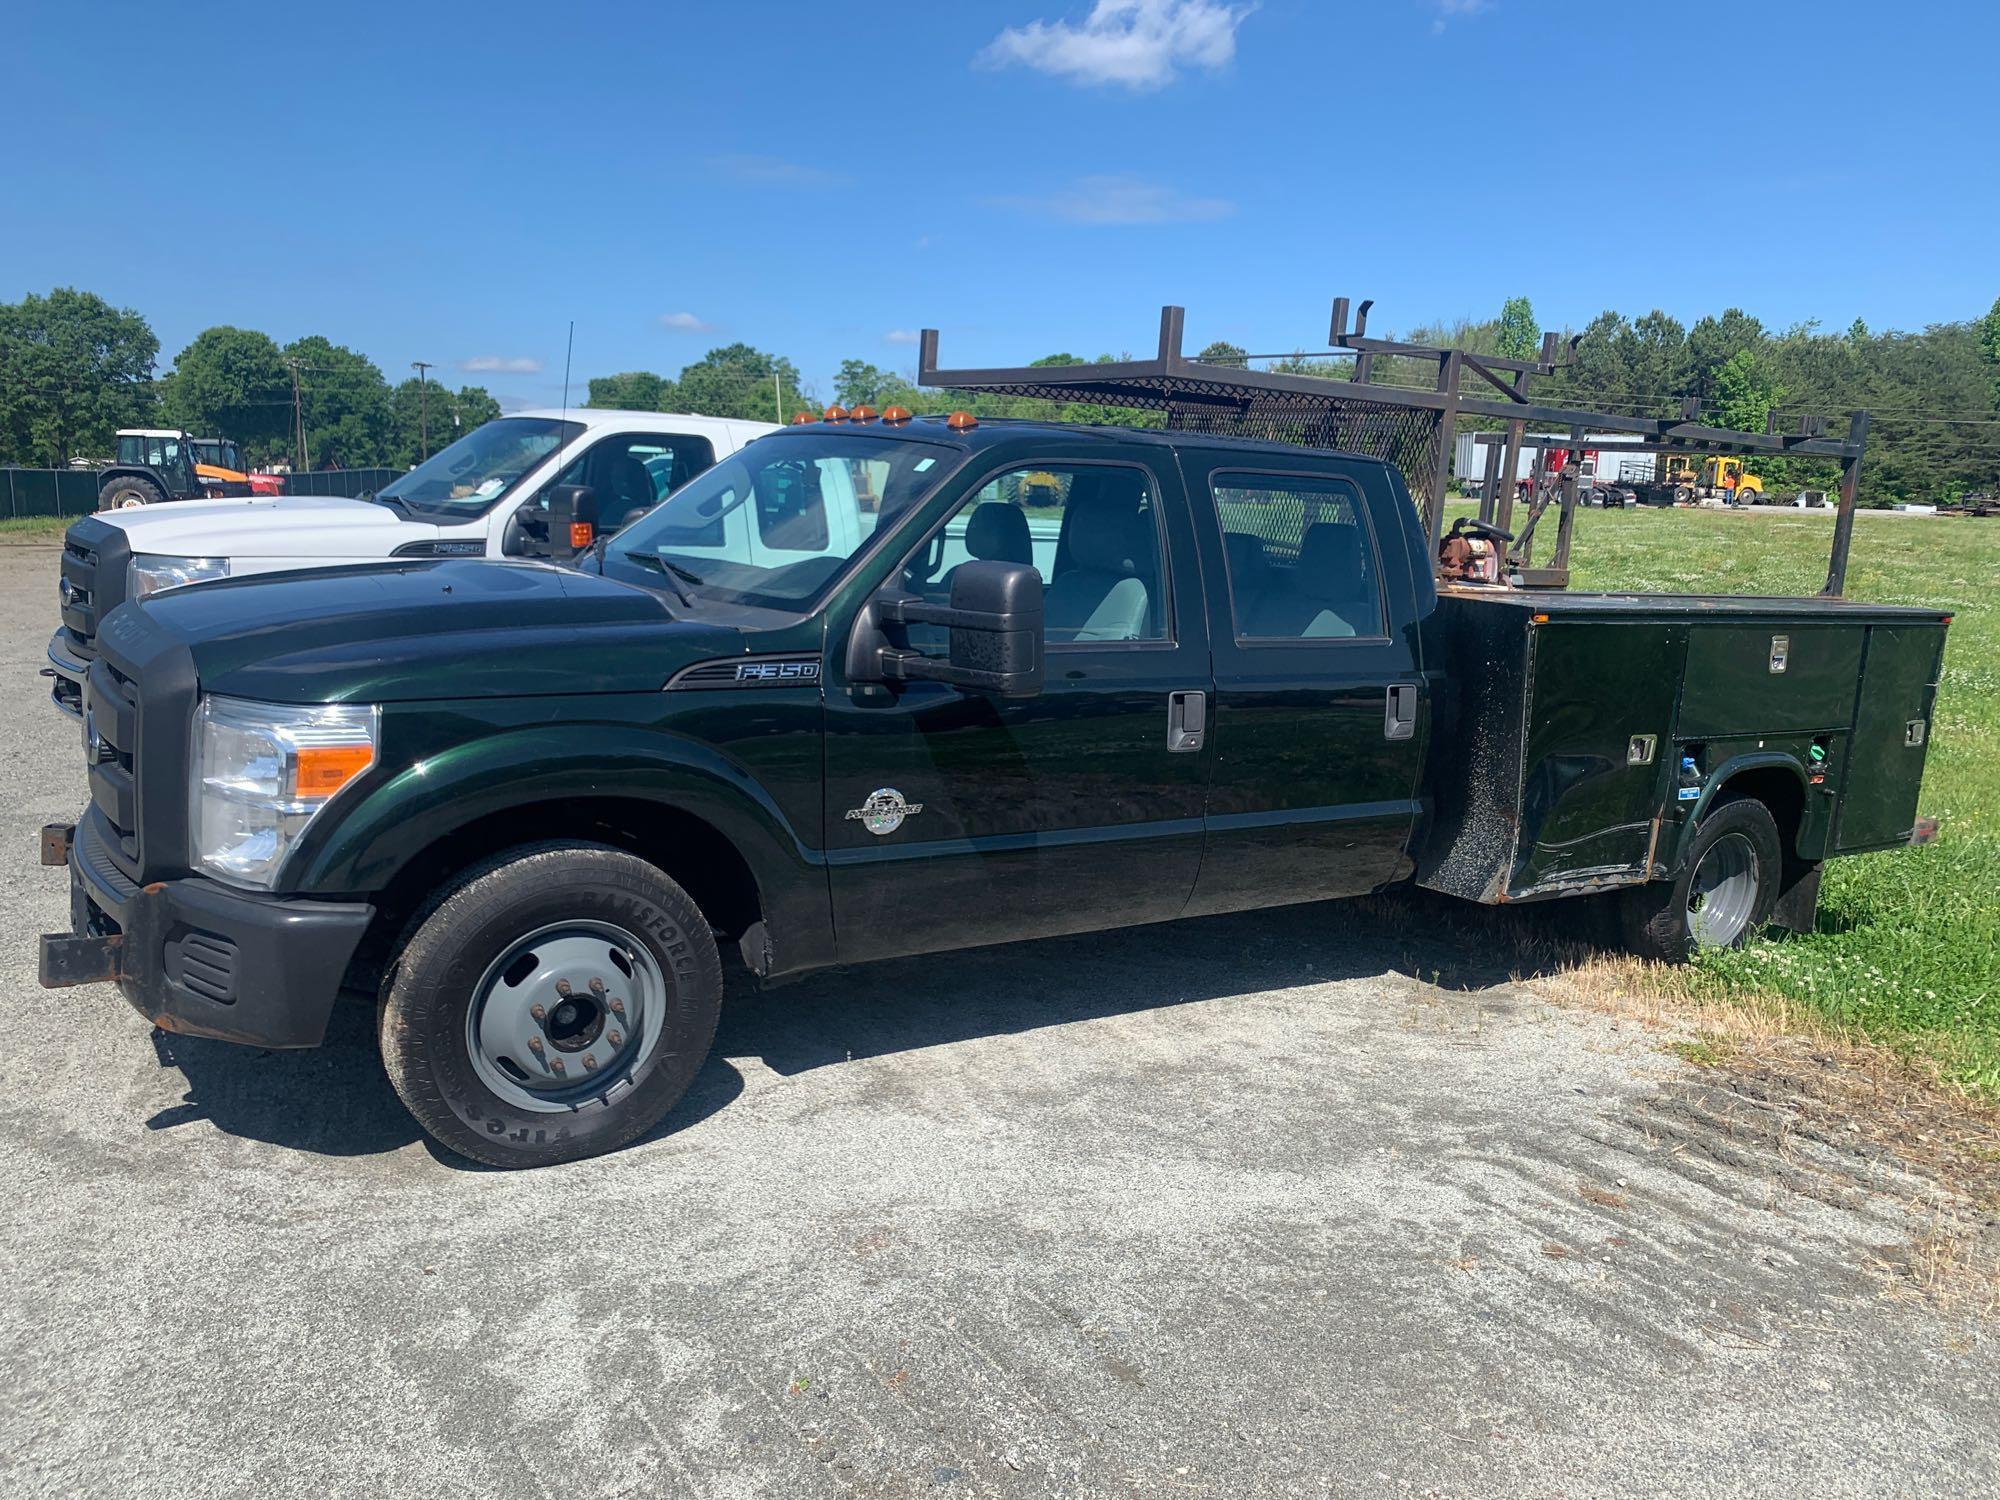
{"points": [[446, 998], [1736, 843], [128, 494]]}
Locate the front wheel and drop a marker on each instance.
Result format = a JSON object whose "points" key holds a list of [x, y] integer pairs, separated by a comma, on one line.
{"points": [[1723, 892], [555, 1006]]}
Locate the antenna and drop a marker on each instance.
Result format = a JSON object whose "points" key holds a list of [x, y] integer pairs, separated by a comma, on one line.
{"points": [[568, 349]]}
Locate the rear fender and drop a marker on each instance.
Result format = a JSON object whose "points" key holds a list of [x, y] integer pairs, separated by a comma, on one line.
{"points": [[1717, 786]]}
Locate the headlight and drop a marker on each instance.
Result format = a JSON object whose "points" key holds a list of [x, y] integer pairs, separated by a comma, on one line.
{"points": [[148, 574], [262, 771]]}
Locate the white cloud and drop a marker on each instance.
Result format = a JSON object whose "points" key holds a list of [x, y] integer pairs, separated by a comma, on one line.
{"points": [[750, 166], [1456, 10], [901, 336], [500, 364], [1121, 200], [684, 322], [1139, 44]]}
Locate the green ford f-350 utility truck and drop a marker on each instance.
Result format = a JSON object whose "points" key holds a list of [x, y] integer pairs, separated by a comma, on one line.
{"points": [[960, 683]]}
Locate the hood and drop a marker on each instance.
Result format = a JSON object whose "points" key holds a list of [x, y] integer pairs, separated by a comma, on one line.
{"points": [[269, 526], [430, 630]]}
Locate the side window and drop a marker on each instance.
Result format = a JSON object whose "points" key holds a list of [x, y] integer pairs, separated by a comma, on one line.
{"points": [[1091, 530], [1301, 562], [633, 472]]}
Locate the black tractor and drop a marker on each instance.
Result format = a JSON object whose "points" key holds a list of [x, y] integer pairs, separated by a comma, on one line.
{"points": [[158, 463]]}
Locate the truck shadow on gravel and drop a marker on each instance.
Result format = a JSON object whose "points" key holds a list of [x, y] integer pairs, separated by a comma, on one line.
{"points": [[336, 1100]]}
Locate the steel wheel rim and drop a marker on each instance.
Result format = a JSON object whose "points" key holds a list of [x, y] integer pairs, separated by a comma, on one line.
{"points": [[1722, 896], [602, 1003]]}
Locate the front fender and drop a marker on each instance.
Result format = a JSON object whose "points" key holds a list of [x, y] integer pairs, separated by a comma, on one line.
{"points": [[370, 841]]}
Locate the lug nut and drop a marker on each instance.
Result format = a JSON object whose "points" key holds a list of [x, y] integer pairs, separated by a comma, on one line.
{"points": [[596, 986], [534, 1044], [589, 1063], [617, 1007], [537, 1012], [557, 1064], [616, 1040], [562, 986]]}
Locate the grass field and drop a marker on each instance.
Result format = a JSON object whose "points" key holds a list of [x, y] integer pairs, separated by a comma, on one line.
{"points": [[1907, 950], [34, 528]]}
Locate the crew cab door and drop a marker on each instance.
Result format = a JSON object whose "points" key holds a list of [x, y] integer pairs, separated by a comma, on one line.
{"points": [[954, 818], [1318, 721]]}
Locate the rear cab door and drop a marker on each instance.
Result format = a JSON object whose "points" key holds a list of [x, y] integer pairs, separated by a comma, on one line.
{"points": [[1321, 706]]}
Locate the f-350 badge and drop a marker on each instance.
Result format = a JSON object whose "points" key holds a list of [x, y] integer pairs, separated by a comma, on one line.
{"points": [[884, 811]]}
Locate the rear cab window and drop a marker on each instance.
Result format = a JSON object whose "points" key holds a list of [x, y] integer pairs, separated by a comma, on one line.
{"points": [[1301, 558]]}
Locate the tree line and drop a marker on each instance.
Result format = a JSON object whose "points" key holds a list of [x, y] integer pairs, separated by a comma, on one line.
{"points": [[73, 369]]}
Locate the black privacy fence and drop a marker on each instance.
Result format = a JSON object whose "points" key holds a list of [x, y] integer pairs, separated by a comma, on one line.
{"points": [[73, 492]]}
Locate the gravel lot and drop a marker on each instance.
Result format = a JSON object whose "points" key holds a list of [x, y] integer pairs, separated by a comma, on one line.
{"points": [[1229, 1208]]}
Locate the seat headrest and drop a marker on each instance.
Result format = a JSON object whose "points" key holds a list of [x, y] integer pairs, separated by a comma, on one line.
{"points": [[1107, 535], [1246, 553], [625, 478], [1330, 559], [998, 532]]}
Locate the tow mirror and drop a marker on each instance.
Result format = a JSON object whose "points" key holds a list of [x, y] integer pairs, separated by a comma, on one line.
{"points": [[995, 621], [572, 519]]}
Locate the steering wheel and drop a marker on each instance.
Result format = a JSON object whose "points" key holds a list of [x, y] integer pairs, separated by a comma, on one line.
{"points": [[1467, 526]]}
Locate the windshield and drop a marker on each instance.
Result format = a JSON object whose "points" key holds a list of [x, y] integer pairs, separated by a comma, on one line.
{"points": [[774, 524], [475, 473]]}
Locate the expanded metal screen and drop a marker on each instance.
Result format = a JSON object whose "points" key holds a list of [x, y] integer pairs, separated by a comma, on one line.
{"points": [[1405, 436]]}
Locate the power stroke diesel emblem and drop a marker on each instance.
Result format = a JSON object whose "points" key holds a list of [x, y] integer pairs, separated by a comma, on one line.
{"points": [[884, 811]]}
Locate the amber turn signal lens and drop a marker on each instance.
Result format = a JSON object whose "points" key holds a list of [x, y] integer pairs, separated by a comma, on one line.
{"points": [[324, 769], [961, 421], [896, 415], [580, 533]]}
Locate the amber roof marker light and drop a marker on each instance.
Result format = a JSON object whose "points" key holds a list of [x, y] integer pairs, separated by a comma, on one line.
{"points": [[895, 416], [834, 414], [961, 421], [799, 419], [862, 413]]}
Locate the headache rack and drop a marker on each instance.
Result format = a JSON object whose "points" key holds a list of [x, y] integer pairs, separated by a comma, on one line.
{"points": [[1411, 425]]}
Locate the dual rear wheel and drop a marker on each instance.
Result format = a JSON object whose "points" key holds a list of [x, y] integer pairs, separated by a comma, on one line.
{"points": [[1723, 892]]}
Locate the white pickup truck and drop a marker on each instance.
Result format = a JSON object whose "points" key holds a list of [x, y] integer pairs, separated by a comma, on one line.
{"points": [[484, 496]]}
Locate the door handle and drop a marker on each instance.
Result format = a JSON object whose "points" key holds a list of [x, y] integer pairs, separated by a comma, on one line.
{"points": [[1187, 720], [1399, 718]]}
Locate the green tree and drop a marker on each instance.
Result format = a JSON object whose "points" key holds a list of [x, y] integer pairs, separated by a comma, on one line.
{"points": [[232, 382], [446, 415], [635, 390], [1520, 336], [73, 370], [739, 381], [345, 402], [860, 383], [1989, 340], [1222, 352], [1745, 393]]}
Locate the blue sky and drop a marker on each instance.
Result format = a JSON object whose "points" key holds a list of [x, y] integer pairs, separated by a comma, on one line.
{"points": [[456, 183]]}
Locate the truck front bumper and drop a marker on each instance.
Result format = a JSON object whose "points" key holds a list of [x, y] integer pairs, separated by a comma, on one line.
{"points": [[195, 957], [68, 672]]}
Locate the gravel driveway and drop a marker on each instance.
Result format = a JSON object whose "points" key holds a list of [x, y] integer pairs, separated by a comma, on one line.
{"points": [[1237, 1207]]}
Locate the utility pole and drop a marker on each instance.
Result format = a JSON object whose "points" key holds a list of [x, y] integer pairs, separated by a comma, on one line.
{"points": [[298, 421], [423, 369]]}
